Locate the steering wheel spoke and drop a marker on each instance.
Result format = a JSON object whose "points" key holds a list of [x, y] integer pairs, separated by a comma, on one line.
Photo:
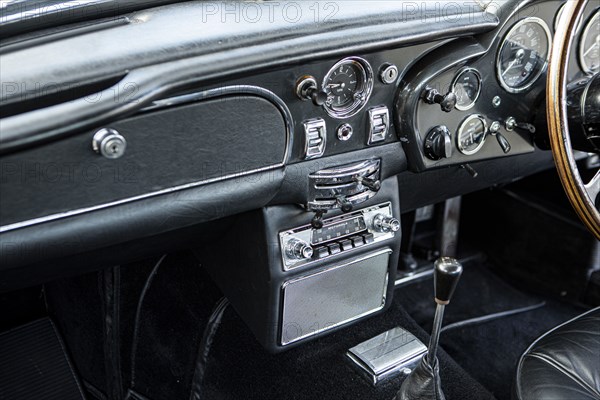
{"points": [[593, 187]]}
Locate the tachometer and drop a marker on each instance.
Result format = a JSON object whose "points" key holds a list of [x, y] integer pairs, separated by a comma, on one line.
{"points": [[471, 134], [348, 86], [589, 46], [523, 56]]}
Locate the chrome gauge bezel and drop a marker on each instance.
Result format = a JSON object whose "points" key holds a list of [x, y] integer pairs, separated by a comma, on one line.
{"points": [[542, 70], [584, 67], [460, 73], [460, 128], [365, 86]]}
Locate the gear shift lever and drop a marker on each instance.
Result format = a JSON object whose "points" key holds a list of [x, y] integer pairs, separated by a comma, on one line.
{"points": [[424, 381], [445, 278]]}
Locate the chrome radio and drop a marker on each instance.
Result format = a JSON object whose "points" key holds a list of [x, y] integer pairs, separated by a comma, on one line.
{"points": [[366, 227]]}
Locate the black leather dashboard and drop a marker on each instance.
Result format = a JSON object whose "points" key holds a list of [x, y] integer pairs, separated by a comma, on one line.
{"points": [[213, 123]]}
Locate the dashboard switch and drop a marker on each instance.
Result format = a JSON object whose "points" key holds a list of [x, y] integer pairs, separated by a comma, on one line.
{"points": [[438, 143], [379, 124], [315, 132], [307, 89], [446, 101]]}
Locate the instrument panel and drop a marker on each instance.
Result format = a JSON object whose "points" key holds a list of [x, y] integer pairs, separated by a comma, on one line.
{"points": [[475, 105]]}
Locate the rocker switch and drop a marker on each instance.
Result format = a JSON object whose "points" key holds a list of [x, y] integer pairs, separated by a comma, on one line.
{"points": [[315, 132], [379, 124]]}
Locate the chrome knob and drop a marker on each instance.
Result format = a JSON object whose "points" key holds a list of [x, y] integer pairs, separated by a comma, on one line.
{"points": [[298, 249], [383, 223], [109, 143]]}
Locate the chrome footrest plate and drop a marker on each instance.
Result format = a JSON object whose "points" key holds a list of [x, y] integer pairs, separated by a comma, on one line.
{"points": [[388, 355]]}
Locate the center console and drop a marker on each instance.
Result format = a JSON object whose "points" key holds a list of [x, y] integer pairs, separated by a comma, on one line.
{"points": [[292, 277]]}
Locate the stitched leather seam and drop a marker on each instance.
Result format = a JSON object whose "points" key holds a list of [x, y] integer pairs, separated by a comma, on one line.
{"points": [[563, 370]]}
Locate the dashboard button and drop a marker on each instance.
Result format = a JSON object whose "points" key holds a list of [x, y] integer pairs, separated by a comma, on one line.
{"points": [[346, 244], [369, 238], [357, 241], [322, 252], [334, 248]]}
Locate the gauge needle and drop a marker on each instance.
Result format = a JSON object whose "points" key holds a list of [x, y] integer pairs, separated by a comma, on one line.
{"points": [[336, 85], [518, 57], [512, 64], [592, 47]]}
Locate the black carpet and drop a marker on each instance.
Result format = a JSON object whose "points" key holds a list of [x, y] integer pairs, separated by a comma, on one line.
{"points": [[239, 368], [494, 347]]}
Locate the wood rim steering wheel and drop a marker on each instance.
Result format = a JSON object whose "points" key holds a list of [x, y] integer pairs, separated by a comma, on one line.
{"points": [[581, 195]]}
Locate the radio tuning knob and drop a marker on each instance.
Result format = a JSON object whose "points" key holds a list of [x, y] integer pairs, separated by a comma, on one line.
{"points": [[383, 223], [298, 249]]}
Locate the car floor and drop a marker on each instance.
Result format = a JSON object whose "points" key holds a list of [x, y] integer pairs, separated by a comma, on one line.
{"points": [[161, 345], [319, 370], [489, 350]]}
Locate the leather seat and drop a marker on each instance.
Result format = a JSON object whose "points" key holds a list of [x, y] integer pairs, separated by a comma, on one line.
{"points": [[563, 364]]}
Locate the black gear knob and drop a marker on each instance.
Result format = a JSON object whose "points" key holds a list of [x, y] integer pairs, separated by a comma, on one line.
{"points": [[447, 272]]}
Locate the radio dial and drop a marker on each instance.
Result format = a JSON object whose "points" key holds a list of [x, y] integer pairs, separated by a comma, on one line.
{"points": [[384, 224], [299, 250]]}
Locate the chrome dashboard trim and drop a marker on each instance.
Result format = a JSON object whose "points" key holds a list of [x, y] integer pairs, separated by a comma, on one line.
{"points": [[174, 101]]}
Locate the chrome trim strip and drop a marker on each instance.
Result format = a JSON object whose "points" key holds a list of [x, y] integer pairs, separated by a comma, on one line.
{"points": [[174, 101], [356, 317], [54, 217]]}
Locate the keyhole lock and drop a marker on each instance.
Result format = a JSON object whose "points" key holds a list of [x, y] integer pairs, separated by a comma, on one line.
{"points": [[109, 143], [388, 73]]}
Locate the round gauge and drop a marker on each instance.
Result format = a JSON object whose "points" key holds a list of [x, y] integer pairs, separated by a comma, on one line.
{"points": [[589, 46], [471, 134], [523, 56], [467, 87], [348, 86]]}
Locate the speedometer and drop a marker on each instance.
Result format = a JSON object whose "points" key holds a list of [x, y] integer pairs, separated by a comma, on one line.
{"points": [[589, 46], [523, 56]]}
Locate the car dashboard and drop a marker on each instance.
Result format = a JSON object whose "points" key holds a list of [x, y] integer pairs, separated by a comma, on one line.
{"points": [[303, 129]]}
